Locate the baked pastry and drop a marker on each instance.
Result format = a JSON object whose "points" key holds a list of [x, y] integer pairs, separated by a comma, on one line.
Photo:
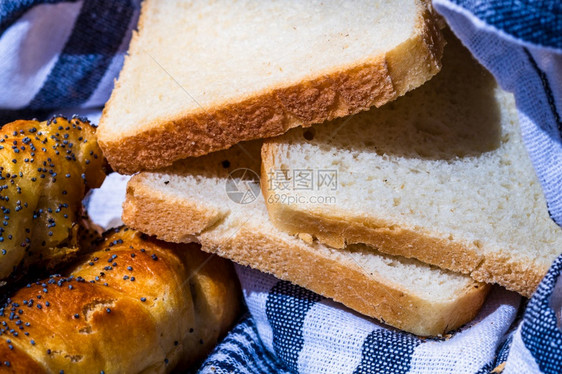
{"points": [[45, 170], [134, 305]]}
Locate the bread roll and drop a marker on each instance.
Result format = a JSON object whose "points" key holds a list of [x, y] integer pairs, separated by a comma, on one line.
{"points": [[135, 305], [46, 168]]}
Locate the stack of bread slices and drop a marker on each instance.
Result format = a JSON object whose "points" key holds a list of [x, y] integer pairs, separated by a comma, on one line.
{"points": [[354, 150]]}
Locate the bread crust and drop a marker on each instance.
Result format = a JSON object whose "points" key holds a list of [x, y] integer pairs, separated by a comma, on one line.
{"points": [[272, 112], [134, 305], [308, 266], [337, 228]]}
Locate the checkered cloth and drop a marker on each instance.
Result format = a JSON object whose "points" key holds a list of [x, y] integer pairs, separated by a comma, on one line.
{"points": [[63, 56]]}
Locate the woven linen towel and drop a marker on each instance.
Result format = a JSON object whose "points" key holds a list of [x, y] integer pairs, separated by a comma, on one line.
{"points": [[311, 334], [58, 54]]}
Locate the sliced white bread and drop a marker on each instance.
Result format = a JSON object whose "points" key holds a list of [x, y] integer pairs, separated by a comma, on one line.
{"points": [[201, 76], [440, 175], [189, 202]]}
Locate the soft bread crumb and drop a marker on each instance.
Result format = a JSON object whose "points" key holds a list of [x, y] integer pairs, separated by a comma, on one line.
{"points": [[404, 293], [257, 69], [441, 175]]}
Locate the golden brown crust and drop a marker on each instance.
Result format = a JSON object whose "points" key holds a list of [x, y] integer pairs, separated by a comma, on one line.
{"points": [[304, 265], [50, 165], [13, 361], [136, 304], [338, 229], [193, 220], [272, 112]]}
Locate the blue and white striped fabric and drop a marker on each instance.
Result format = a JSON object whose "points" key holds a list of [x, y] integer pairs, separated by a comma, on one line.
{"points": [[57, 54], [320, 336], [243, 345], [537, 343], [62, 56], [311, 334]]}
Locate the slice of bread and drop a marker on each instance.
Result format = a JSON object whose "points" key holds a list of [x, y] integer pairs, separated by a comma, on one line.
{"points": [[190, 202], [440, 175], [202, 76]]}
